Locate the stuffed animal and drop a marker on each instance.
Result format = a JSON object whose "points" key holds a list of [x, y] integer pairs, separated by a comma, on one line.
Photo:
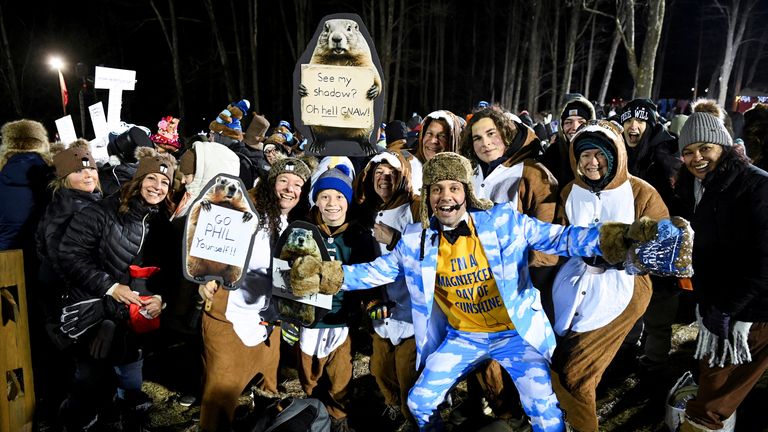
{"points": [[227, 122]]}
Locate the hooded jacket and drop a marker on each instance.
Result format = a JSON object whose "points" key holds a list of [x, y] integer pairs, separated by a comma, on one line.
{"points": [[656, 159], [455, 127], [211, 159], [23, 182], [517, 178], [589, 295]]}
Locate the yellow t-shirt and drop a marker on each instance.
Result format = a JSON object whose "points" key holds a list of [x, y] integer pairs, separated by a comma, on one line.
{"points": [[465, 288]]}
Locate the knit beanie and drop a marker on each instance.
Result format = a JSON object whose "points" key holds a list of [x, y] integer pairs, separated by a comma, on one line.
{"points": [[289, 165], [578, 106], [24, 135], [336, 178], [396, 131], [703, 127], [72, 159], [449, 166], [188, 162], [124, 146], [167, 135], [150, 161], [642, 109]]}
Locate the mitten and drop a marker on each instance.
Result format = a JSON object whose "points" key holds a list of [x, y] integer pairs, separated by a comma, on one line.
{"points": [[305, 276], [378, 309], [102, 340], [77, 318], [643, 229], [613, 242], [332, 277], [717, 322]]}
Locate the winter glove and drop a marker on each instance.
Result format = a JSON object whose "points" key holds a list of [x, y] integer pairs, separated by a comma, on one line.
{"points": [[290, 333], [102, 340], [643, 229], [717, 322], [379, 310], [77, 318], [139, 277], [331, 278]]}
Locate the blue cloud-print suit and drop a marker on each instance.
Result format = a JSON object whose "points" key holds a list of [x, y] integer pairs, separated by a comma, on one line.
{"points": [[506, 236]]}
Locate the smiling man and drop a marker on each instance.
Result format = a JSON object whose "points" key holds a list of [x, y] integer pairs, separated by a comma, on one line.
{"points": [[468, 304]]}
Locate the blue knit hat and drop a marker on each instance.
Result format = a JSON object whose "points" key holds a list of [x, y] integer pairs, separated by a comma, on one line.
{"points": [[336, 178]]}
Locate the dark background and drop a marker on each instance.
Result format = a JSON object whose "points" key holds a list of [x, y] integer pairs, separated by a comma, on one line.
{"points": [[126, 34]]}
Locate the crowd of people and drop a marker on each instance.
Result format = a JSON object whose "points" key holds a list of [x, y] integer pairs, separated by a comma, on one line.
{"points": [[480, 247]]}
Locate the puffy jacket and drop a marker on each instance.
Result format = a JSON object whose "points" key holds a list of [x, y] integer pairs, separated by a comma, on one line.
{"points": [[100, 243], [23, 180], [113, 177]]}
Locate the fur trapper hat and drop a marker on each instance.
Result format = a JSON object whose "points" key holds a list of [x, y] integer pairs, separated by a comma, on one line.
{"points": [[705, 125], [152, 161], [449, 166], [26, 135], [73, 158], [290, 165]]}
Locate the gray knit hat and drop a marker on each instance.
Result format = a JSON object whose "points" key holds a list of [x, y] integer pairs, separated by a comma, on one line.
{"points": [[702, 127]]}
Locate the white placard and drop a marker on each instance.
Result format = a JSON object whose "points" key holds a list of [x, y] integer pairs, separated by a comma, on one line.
{"points": [[99, 120], [337, 96], [111, 78], [114, 106], [222, 236], [66, 128], [99, 150], [280, 287]]}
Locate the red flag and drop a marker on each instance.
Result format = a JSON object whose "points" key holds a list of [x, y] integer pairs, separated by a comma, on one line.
{"points": [[64, 92]]}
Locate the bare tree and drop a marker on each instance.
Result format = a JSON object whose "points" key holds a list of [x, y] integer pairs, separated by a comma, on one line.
{"points": [[553, 54], [238, 51], [511, 52], [609, 65], [663, 51], [534, 58], [737, 14], [8, 71], [253, 13], [570, 47], [590, 59], [172, 40], [221, 50], [642, 70]]}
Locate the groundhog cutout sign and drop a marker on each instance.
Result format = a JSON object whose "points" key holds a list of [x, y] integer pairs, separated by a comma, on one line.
{"points": [[338, 86], [219, 233], [302, 303]]}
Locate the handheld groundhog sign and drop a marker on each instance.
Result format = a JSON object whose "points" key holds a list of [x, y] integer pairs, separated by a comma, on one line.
{"points": [[301, 304], [219, 233], [337, 89]]}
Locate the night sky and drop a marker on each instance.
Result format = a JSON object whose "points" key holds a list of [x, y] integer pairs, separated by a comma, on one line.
{"points": [[125, 34]]}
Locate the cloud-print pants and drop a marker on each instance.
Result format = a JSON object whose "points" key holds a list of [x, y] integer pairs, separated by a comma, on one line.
{"points": [[458, 355]]}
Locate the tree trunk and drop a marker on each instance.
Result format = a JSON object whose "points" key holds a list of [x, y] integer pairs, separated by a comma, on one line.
{"points": [[644, 81], [698, 62], [221, 50], [253, 30], [10, 73], [570, 50], [554, 100], [172, 40], [758, 55], [738, 16], [394, 83], [609, 66], [737, 79], [519, 82], [238, 52], [512, 48], [590, 60], [662, 52], [534, 59]]}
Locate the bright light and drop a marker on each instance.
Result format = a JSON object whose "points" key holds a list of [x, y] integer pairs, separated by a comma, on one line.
{"points": [[56, 62], [693, 89]]}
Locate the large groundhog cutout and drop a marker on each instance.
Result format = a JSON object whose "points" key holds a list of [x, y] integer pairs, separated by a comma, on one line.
{"points": [[301, 303], [219, 232], [338, 58]]}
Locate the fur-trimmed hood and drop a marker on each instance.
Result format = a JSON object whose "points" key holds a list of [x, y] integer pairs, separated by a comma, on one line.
{"points": [[24, 136], [612, 133], [403, 193], [455, 127]]}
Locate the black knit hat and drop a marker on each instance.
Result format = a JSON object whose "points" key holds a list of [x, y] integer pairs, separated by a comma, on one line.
{"points": [[641, 109], [395, 131]]}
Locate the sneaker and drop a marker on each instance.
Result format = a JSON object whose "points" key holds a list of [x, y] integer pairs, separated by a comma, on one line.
{"points": [[340, 425]]}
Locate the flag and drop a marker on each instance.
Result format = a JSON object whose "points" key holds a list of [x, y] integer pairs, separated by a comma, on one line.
{"points": [[64, 92]]}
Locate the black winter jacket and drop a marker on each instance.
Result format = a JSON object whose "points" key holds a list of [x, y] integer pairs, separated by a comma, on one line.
{"points": [[730, 248], [656, 159], [113, 177], [101, 243]]}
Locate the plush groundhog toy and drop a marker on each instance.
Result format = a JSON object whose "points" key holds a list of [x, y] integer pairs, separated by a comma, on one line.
{"points": [[301, 244], [342, 44], [227, 122], [225, 192]]}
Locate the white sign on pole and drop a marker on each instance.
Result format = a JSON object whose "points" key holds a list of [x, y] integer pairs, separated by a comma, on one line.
{"points": [[66, 128], [280, 287], [99, 120], [336, 96], [222, 236], [116, 80]]}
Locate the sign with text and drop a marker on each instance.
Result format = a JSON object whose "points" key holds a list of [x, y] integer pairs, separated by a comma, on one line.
{"points": [[99, 120], [336, 96], [116, 80], [66, 128], [221, 235]]}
